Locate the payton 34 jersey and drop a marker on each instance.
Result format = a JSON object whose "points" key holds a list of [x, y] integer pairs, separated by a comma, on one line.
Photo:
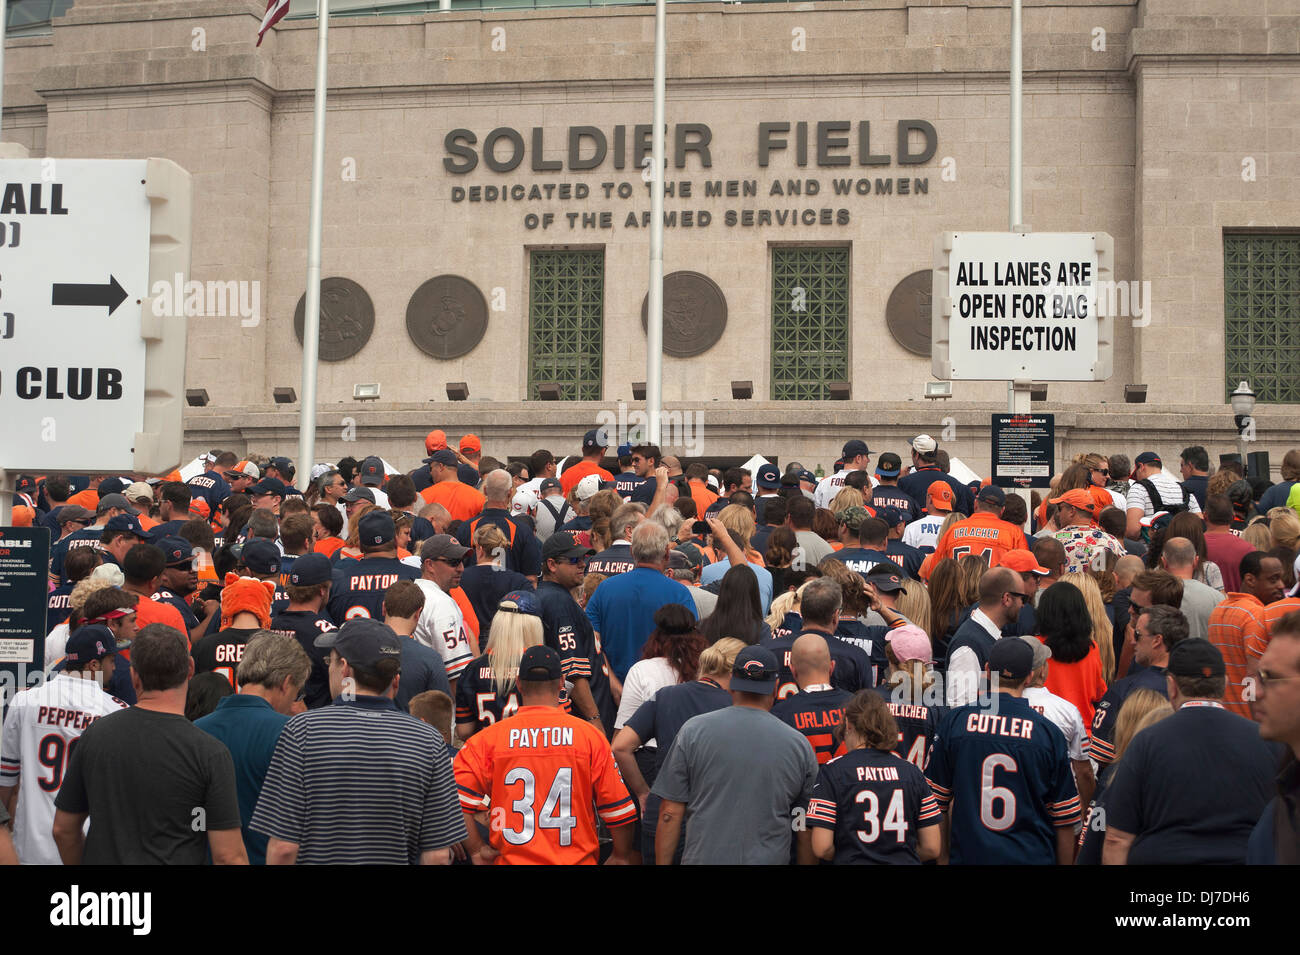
{"points": [[40, 731], [359, 586], [1003, 774], [876, 803], [543, 776]]}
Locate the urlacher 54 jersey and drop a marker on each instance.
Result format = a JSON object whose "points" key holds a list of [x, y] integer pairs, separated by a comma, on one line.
{"points": [[543, 776], [479, 702], [876, 803], [917, 724], [1002, 772]]}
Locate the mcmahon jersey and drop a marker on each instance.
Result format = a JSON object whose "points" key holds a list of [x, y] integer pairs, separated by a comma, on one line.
{"points": [[544, 776], [876, 803], [40, 731], [1003, 774]]}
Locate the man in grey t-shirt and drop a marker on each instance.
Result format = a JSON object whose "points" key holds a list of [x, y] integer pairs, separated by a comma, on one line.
{"points": [[735, 775], [1178, 556]]}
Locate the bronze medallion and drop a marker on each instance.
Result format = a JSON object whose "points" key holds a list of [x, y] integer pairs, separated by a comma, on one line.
{"points": [[447, 316], [907, 314], [695, 314], [347, 318]]}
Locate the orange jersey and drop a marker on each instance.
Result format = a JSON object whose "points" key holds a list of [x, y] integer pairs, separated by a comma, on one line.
{"points": [[703, 496], [543, 776], [461, 501], [575, 473], [328, 545], [467, 609], [89, 499], [983, 535], [1237, 628]]}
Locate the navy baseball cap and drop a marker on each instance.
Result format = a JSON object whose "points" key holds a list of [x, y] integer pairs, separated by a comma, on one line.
{"points": [[550, 484], [1146, 457], [362, 642], [1011, 659], [890, 515], [268, 485], [283, 465], [376, 527], [886, 579], [1196, 658], [309, 570], [520, 601], [176, 550], [768, 477], [91, 642], [372, 471], [111, 485], [261, 556], [562, 545], [359, 494], [755, 671], [595, 438], [625, 450], [992, 494], [853, 448], [539, 664], [889, 465], [125, 522], [443, 456], [806, 475]]}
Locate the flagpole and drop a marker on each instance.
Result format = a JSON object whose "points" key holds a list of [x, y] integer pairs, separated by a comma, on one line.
{"points": [[4, 17], [311, 322], [654, 359]]}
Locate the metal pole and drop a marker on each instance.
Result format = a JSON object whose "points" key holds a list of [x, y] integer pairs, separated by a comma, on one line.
{"points": [[7, 485], [1018, 401], [311, 321], [4, 17], [654, 359]]}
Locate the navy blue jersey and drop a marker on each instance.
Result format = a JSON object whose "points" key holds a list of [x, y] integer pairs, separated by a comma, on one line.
{"points": [[1104, 719], [909, 557], [876, 803], [662, 717], [917, 724], [566, 630], [305, 626], [359, 586], [1002, 772], [852, 667], [479, 702], [816, 715], [485, 585], [887, 496], [165, 596], [523, 552], [57, 607], [870, 640], [86, 537], [615, 559], [222, 651], [791, 623], [644, 492], [862, 559], [210, 486], [917, 485], [627, 482]]}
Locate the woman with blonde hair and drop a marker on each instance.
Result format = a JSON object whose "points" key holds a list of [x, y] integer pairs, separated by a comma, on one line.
{"points": [[1258, 535], [352, 545], [487, 581], [845, 498], [914, 604], [1141, 708], [485, 692], [784, 617], [911, 682], [1102, 628], [660, 719]]}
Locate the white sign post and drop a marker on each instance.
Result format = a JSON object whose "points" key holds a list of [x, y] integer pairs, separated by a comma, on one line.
{"points": [[91, 379], [1014, 306]]}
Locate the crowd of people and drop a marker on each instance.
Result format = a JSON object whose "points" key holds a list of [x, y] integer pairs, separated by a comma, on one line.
{"points": [[609, 657]]}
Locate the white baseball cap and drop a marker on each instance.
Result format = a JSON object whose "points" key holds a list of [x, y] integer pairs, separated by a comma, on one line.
{"points": [[524, 502], [588, 487], [924, 444]]}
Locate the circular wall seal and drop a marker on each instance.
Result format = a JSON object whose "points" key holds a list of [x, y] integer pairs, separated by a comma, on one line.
{"points": [[695, 314], [907, 314], [447, 316], [347, 318]]}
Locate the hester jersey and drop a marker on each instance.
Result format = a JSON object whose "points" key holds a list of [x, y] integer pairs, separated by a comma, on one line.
{"points": [[876, 803], [1003, 774], [40, 730], [544, 776]]}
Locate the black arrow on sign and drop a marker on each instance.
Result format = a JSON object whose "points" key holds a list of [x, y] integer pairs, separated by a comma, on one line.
{"points": [[111, 295]]}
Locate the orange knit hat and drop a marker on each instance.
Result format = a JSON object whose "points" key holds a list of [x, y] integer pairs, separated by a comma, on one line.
{"points": [[246, 595]]}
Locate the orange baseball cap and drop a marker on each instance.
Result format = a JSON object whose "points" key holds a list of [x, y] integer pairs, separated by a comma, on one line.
{"points": [[1022, 562], [1076, 498], [941, 496], [470, 443], [199, 508], [435, 441]]}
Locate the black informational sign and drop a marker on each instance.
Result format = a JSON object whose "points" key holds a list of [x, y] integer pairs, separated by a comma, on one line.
{"points": [[24, 575], [1024, 450]]}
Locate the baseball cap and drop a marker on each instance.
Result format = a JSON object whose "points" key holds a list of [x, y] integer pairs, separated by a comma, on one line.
{"points": [[359, 494], [268, 485], [550, 484], [199, 507], [754, 671], [261, 556], [92, 642], [595, 438], [713, 482], [924, 444], [318, 471], [283, 465], [435, 440], [886, 579], [1042, 652], [176, 550], [1196, 658], [625, 450], [375, 528], [24, 484], [246, 469], [940, 496], [362, 641], [139, 491], [521, 601], [470, 443], [110, 501], [910, 643], [310, 570], [75, 512], [588, 487], [562, 544], [539, 664], [852, 517], [1146, 457], [441, 546], [1022, 562], [111, 485], [372, 471], [1077, 497], [444, 456], [891, 515], [889, 464], [1011, 659], [853, 448], [992, 494], [125, 522], [524, 501], [768, 477], [806, 475]]}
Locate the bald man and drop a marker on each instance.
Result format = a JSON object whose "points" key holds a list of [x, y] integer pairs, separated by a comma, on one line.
{"points": [[818, 708], [1178, 556]]}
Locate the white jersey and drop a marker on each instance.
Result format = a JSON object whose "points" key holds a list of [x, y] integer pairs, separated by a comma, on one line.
{"points": [[828, 487], [441, 625], [924, 531], [1066, 717], [40, 730]]}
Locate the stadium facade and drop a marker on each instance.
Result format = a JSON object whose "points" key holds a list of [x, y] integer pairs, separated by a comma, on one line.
{"points": [[486, 199]]}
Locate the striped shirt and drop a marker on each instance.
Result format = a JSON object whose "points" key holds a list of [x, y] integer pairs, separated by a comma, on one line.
{"points": [[360, 783], [1237, 629]]}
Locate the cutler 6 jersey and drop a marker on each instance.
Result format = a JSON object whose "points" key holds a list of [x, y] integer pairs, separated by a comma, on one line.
{"points": [[40, 731]]}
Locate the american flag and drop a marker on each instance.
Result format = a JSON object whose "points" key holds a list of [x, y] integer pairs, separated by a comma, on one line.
{"points": [[275, 11]]}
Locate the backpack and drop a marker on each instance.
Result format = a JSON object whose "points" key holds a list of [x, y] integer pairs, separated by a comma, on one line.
{"points": [[557, 515], [1157, 504]]}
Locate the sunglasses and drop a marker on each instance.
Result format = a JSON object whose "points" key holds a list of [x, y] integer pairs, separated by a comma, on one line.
{"points": [[1105, 471], [1016, 593], [459, 561], [187, 566]]}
